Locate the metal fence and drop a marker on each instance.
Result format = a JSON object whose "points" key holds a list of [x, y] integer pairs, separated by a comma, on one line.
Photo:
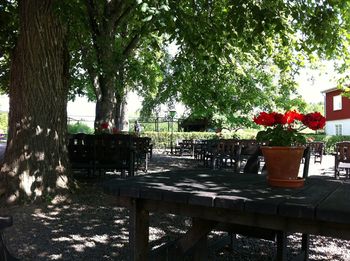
{"points": [[157, 124]]}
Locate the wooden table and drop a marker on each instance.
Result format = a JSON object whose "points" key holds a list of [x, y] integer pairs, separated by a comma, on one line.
{"points": [[321, 207]]}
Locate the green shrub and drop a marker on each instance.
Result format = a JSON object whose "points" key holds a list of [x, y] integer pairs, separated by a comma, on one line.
{"points": [[79, 127], [162, 140], [3, 122]]}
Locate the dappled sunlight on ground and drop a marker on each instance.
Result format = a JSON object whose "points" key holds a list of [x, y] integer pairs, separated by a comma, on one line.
{"points": [[88, 226]]}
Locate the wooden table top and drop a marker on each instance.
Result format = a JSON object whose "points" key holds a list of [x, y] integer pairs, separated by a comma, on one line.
{"points": [[320, 199]]}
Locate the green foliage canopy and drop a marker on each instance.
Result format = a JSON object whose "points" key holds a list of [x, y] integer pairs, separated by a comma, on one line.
{"points": [[233, 56]]}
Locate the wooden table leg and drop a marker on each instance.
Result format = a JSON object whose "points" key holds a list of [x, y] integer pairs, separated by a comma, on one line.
{"points": [[196, 237], [138, 232]]}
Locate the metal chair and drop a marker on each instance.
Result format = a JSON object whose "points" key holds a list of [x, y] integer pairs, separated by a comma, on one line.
{"points": [[316, 150], [342, 158]]}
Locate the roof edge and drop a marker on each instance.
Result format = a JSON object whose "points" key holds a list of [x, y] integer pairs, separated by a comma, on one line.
{"points": [[330, 90]]}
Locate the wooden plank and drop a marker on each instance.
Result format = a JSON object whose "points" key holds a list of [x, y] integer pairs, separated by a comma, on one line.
{"points": [[176, 196], [266, 200], [202, 199], [154, 194], [304, 203], [239, 192], [230, 202], [132, 192], [252, 219], [138, 232], [336, 207]]}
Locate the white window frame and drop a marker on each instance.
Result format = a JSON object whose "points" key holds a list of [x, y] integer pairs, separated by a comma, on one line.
{"points": [[337, 103], [338, 129]]}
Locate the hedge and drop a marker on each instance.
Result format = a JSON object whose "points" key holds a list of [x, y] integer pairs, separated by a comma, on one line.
{"points": [[162, 140]]}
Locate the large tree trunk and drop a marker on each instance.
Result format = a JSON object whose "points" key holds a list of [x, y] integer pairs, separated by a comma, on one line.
{"points": [[121, 121], [36, 159], [105, 104]]}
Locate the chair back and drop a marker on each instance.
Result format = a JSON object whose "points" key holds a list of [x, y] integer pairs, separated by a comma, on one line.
{"points": [[81, 148], [317, 150], [316, 147], [342, 151], [115, 152]]}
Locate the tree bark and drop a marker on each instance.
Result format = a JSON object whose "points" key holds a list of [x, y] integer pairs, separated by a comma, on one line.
{"points": [[36, 159], [121, 121]]}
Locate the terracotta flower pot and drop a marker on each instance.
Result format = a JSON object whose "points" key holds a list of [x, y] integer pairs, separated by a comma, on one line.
{"points": [[283, 166]]}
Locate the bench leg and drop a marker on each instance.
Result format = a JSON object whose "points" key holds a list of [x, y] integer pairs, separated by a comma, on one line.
{"points": [[138, 232], [281, 246], [305, 240]]}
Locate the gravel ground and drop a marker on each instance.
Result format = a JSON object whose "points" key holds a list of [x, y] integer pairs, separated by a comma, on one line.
{"points": [[87, 226]]}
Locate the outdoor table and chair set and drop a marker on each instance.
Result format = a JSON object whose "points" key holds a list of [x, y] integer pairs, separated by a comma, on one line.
{"points": [[235, 202]]}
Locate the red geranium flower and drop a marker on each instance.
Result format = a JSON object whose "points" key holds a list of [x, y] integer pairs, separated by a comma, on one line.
{"points": [[279, 118], [291, 116], [314, 120], [284, 132], [265, 119]]}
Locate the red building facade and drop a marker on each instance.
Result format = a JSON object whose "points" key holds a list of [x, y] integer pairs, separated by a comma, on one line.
{"points": [[337, 112]]}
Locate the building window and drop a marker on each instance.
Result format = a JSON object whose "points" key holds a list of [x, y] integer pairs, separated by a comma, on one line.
{"points": [[337, 103], [338, 129]]}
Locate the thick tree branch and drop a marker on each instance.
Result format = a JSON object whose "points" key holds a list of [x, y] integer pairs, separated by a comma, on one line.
{"points": [[124, 15], [136, 39], [116, 13], [92, 72], [95, 30], [111, 12], [92, 13], [131, 45]]}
